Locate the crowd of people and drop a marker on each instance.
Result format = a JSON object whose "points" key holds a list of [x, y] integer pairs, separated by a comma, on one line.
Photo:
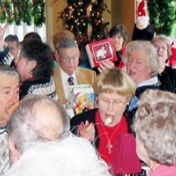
{"points": [[134, 95]]}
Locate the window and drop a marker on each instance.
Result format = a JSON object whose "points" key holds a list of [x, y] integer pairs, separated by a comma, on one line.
{"points": [[23, 29], [173, 36]]}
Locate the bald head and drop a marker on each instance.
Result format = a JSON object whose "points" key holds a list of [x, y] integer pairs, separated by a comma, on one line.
{"points": [[38, 118]]}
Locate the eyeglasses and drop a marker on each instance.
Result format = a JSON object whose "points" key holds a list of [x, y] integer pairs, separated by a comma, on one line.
{"points": [[68, 59], [106, 102]]}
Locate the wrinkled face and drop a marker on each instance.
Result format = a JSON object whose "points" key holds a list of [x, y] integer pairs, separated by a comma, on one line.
{"points": [[112, 107], [24, 67], [14, 48], [161, 49], [118, 41], [137, 66], [68, 59], [9, 94]]}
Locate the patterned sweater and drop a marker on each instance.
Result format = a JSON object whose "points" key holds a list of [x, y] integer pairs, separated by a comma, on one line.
{"points": [[39, 87], [6, 57]]}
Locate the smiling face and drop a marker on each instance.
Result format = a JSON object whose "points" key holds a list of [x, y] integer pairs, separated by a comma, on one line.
{"points": [[24, 67], [112, 107], [9, 94], [137, 66]]}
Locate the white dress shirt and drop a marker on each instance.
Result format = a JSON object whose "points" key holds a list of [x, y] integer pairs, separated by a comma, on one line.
{"points": [[66, 86]]}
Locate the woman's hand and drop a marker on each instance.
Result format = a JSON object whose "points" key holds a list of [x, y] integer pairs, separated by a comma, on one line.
{"points": [[3, 30], [105, 65], [87, 131], [2, 43]]}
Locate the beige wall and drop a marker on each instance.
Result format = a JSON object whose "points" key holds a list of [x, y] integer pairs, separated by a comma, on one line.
{"points": [[121, 12], [53, 7], [107, 15], [58, 7], [49, 21]]}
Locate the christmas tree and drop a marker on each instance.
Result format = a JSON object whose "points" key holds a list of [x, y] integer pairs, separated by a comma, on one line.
{"points": [[84, 19]]}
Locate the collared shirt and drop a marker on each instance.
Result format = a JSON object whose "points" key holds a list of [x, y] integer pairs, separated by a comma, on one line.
{"points": [[64, 78], [134, 102], [151, 81]]}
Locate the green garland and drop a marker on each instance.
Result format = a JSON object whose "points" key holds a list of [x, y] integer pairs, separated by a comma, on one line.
{"points": [[26, 11], [162, 15]]}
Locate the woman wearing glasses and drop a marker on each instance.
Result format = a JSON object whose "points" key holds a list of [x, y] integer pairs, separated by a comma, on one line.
{"points": [[167, 75], [114, 89]]}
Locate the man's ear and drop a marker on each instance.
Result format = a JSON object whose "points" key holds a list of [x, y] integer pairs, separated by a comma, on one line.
{"points": [[56, 56], [14, 152]]}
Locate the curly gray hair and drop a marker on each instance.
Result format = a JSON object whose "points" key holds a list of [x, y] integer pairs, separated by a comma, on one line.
{"points": [[155, 125]]}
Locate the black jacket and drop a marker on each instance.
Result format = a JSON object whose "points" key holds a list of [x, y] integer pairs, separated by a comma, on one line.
{"points": [[131, 114], [168, 79], [90, 117]]}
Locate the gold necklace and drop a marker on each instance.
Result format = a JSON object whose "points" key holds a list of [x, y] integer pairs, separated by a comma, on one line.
{"points": [[109, 145]]}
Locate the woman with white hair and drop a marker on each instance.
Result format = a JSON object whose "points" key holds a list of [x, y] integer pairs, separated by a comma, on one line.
{"points": [[167, 75], [155, 130], [142, 66]]}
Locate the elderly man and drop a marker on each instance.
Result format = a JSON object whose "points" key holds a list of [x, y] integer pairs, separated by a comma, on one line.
{"points": [[68, 73], [9, 97], [37, 119]]}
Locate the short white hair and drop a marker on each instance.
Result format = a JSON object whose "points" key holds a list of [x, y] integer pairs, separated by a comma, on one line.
{"points": [[72, 156], [151, 55]]}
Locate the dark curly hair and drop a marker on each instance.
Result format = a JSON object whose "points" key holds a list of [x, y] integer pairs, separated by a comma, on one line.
{"points": [[42, 54]]}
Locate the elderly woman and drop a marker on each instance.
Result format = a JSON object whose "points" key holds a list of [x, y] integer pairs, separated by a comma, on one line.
{"points": [[114, 90], [167, 75], [155, 130], [142, 66], [35, 66]]}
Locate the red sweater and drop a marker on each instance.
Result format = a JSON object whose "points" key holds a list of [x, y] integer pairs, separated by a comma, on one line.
{"points": [[110, 133]]}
